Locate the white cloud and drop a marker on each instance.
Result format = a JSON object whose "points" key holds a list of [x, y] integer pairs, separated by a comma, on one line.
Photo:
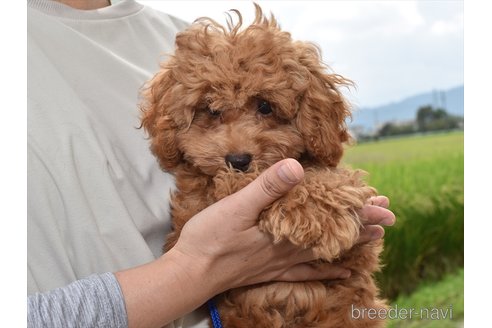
{"points": [[447, 27]]}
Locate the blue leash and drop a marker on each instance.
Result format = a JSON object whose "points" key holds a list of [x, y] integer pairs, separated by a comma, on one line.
{"points": [[214, 314]]}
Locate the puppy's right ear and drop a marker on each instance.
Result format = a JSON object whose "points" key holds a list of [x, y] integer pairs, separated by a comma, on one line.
{"points": [[157, 119]]}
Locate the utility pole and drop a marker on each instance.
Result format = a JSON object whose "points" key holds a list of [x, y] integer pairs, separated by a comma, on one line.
{"points": [[376, 121], [435, 98], [443, 100]]}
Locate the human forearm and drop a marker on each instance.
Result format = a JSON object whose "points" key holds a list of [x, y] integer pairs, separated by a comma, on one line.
{"points": [[166, 289]]}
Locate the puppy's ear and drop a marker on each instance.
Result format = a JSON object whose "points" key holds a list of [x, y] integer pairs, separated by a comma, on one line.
{"points": [[322, 109], [163, 117]]}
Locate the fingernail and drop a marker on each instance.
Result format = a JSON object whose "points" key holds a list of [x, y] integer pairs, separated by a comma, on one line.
{"points": [[288, 174], [388, 221], [377, 234]]}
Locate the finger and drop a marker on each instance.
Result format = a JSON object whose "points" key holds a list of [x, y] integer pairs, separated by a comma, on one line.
{"points": [[369, 233], [307, 272], [270, 185], [381, 201], [372, 214]]}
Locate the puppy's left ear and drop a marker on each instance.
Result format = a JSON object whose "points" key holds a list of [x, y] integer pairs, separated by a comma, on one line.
{"points": [[322, 110], [165, 113]]}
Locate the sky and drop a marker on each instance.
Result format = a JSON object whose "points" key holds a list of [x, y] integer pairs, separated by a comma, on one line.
{"points": [[390, 49]]}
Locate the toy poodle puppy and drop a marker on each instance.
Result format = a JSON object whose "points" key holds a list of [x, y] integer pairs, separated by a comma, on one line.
{"points": [[233, 101]]}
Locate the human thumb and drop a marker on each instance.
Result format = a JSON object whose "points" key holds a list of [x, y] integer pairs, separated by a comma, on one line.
{"points": [[271, 185]]}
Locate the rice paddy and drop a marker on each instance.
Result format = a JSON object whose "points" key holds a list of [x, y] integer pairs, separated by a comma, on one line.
{"points": [[423, 176]]}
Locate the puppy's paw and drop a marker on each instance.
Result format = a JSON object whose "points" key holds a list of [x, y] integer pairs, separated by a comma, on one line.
{"points": [[320, 213]]}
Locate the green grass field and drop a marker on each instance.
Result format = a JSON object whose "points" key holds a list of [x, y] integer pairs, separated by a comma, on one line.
{"points": [[437, 305], [424, 178], [413, 168]]}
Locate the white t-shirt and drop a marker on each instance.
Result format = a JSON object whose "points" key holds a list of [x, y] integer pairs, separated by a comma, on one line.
{"points": [[97, 200]]}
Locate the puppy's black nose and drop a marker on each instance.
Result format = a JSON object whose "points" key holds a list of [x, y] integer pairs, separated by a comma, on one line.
{"points": [[238, 161]]}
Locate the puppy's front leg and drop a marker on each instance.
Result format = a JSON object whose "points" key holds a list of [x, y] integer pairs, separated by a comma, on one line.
{"points": [[321, 212]]}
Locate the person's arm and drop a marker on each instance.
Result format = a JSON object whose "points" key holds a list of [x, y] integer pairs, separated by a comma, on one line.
{"points": [[219, 249], [222, 248]]}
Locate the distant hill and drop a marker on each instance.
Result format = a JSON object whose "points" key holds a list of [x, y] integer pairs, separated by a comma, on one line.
{"points": [[368, 119]]}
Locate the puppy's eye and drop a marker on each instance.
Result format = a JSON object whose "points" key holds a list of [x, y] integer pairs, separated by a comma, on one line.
{"points": [[264, 107]]}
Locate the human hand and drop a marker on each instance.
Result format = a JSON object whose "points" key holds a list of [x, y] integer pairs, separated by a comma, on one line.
{"points": [[236, 253], [225, 242]]}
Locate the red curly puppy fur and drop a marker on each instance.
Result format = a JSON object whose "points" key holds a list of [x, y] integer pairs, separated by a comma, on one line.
{"points": [[231, 102]]}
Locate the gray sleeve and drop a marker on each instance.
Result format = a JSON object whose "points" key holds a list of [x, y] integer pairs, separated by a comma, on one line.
{"points": [[96, 301]]}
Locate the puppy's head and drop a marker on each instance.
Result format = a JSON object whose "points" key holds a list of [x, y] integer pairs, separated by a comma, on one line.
{"points": [[244, 97]]}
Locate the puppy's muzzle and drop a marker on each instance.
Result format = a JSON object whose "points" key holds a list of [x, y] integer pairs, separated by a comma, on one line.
{"points": [[238, 161]]}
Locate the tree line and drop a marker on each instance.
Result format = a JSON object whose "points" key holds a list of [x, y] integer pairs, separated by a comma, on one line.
{"points": [[427, 119]]}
